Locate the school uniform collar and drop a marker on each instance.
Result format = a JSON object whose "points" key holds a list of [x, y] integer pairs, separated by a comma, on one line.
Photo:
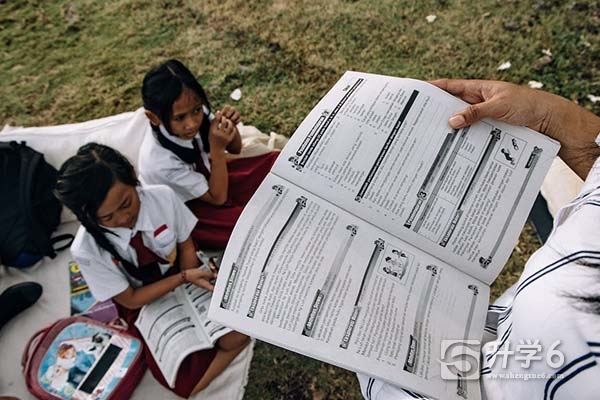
{"points": [[122, 236], [178, 141]]}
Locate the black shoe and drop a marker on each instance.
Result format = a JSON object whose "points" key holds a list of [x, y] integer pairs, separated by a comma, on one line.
{"points": [[18, 298]]}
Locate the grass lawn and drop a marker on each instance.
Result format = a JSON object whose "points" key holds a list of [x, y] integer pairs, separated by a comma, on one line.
{"points": [[69, 61]]}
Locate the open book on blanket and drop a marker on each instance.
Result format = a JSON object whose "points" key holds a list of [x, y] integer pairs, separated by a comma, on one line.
{"points": [[177, 325], [378, 231]]}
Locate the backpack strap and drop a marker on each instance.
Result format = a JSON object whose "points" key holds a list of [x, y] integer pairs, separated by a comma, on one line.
{"points": [[31, 347], [65, 237]]}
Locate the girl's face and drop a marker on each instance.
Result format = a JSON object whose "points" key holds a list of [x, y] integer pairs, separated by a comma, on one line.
{"points": [[120, 208], [187, 115], [70, 353]]}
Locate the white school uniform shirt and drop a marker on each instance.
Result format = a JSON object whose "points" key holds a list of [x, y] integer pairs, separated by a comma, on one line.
{"points": [[160, 166], [543, 305], [163, 221]]}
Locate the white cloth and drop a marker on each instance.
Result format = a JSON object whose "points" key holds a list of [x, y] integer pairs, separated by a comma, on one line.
{"points": [[159, 206], [545, 305], [124, 132], [560, 185]]}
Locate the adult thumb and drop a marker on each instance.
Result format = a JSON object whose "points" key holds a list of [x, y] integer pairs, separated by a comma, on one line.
{"points": [[470, 115]]}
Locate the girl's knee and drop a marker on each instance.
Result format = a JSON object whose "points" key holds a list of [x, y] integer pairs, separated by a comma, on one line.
{"points": [[203, 384], [233, 340]]}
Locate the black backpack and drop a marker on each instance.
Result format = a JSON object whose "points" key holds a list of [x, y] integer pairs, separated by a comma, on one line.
{"points": [[29, 212]]}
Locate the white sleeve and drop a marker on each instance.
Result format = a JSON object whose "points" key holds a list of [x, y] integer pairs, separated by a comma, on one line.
{"points": [[105, 281], [578, 231], [177, 175], [579, 382], [185, 221], [593, 179], [375, 389]]}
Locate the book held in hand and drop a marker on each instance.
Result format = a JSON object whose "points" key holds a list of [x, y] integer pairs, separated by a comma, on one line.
{"points": [[378, 231]]}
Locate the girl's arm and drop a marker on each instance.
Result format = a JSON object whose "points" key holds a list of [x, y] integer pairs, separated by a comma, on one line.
{"points": [[221, 133], [186, 251], [235, 147], [136, 298]]}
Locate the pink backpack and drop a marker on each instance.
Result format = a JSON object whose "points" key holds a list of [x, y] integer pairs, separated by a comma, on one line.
{"points": [[80, 358]]}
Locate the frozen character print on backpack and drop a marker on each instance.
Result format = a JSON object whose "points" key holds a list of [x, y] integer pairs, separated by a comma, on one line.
{"points": [[70, 367], [79, 358]]}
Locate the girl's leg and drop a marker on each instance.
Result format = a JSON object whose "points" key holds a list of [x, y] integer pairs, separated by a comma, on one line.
{"points": [[229, 346]]}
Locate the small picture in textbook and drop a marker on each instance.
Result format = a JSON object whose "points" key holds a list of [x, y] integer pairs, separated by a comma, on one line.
{"points": [[395, 265], [510, 151]]}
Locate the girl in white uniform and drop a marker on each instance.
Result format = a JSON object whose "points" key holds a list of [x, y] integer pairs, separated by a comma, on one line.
{"points": [[187, 151], [134, 246], [554, 308]]}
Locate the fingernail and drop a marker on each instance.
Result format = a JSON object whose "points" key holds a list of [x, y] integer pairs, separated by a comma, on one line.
{"points": [[457, 121]]}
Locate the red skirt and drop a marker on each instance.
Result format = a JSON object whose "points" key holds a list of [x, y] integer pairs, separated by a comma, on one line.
{"points": [[191, 369], [215, 223]]}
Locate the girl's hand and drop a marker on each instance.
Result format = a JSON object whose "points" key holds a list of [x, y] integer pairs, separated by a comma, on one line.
{"points": [[201, 277], [231, 113], [222, 131]]}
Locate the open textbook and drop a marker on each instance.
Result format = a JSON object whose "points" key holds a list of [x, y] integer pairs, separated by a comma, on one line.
{"points": [[378, 231], [177, 325]]}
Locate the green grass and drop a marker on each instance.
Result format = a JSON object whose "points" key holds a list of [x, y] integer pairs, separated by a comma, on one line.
{"points": [[68, 61]]}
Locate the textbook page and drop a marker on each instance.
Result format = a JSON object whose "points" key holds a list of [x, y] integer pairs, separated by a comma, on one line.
{"points": [[199, 300], [304, 274], [176, 325], [381, 148]]}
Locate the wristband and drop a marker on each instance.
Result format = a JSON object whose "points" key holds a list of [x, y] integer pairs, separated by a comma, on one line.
{"points": [[184, 276]]}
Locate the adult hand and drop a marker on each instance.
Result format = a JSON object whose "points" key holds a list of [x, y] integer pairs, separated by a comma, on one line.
{"points": [[504, 101], [221, 132], [573, 126], [201, 277]]}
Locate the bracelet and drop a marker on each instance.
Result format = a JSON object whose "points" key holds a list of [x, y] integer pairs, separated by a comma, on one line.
{"points": [[184, 276]]}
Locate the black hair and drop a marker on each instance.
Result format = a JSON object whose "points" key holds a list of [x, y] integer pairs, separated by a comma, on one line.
{"points": [[586, 302], [83, 183], [161, 87]]}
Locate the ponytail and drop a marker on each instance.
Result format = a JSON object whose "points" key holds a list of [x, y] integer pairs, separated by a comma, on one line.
{"points": [[97, 233]]}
